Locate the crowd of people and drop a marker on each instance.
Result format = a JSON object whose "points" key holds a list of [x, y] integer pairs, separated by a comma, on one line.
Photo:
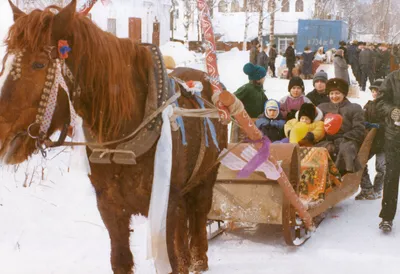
{"points": [[368, 61], [333, 122]]}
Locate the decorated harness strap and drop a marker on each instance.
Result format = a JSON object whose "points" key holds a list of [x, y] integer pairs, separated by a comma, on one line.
{"points": [[55, 80], [195, 88]]}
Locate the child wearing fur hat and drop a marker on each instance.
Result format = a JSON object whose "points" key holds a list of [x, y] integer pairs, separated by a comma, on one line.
{"points": [[271, 122], [312, 117], [291, 103], [252, 94], [371, 191], [344, 145]]}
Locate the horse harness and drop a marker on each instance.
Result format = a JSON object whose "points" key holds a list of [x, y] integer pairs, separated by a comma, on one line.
{"points": [[161, 93]]}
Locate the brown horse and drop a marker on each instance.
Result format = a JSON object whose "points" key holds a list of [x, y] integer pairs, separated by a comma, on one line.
{"points": [[113, 75]]}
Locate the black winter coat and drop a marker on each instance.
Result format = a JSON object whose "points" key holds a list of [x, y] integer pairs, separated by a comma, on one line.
{"points": [[317, 98], [272, 55], [371, 116], [388, 100], [353, 54], [262, 60], [366, 57], [273, 128], [345, 54], [290, 57], [353, 120], [308, 57], [348, 140]]}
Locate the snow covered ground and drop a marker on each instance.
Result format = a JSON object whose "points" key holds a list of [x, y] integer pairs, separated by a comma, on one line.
{"points": [[53, 226]]}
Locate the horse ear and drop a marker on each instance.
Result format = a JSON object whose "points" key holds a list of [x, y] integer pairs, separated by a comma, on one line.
{"points": [[16, 11], [62, 21]]}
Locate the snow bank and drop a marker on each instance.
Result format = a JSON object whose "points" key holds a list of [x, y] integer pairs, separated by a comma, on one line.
{"points": [[179, 52]]}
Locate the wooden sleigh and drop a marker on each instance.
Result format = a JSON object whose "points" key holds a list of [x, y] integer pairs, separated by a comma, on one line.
{"points": [[259, 200]]}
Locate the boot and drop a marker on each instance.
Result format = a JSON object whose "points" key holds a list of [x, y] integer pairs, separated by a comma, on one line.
{"points": [[378, 194], [386, 226], [366, 194]]}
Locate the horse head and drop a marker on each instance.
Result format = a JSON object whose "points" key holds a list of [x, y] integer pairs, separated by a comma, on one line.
{"points": [[31, 72]]}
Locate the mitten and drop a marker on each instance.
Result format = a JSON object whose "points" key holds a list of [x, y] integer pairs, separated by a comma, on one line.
{"points": [[310, 137], [369, 125], [395, 115], [291, 114]]}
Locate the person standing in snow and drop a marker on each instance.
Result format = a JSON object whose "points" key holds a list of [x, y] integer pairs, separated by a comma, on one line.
{"points": [[254, 50], [343, 46], [252, 94], [319, 58], [388, 108], [308, 57], [262, 58], [272, 58], [290, 59], [340, 65], [353, 53], [365, 60], [371, 191], [319, 95]]}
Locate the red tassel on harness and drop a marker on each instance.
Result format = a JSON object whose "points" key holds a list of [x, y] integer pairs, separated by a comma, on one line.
{"points": [[63, 49]]}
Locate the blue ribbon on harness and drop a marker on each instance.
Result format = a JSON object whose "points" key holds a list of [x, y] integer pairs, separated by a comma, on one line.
{"points": [[207, 121], [179, 119]]}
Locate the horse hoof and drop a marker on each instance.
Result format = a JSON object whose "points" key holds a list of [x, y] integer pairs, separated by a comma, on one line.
{"points": [[198, 266]]}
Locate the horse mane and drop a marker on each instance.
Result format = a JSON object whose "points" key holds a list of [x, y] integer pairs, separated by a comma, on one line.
{"points": [[106, 67]]}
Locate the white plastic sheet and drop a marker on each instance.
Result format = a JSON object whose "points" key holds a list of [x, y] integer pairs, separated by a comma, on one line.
{"points": [[157, 236]]}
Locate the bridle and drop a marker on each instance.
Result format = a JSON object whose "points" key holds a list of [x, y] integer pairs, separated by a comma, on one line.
{"points": [[56, 71]]}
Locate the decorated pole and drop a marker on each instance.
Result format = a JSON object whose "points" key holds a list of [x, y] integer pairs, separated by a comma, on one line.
{"points": [[211, 59], [228, 104]]}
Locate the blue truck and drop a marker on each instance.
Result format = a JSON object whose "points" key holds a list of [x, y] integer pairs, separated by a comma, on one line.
{"points": [[321, 33]]}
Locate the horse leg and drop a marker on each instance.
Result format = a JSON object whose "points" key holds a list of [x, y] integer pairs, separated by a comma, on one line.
{"points": [[177, 235], [117, 221], [200, 199]]}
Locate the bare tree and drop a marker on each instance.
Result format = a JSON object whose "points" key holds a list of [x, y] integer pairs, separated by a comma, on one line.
{"points": [[271, 10], [189, 8], [246, 24], [261, 4], [323, 9]]}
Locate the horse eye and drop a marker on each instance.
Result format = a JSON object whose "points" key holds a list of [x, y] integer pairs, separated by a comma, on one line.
{"points": [[37, 65]]}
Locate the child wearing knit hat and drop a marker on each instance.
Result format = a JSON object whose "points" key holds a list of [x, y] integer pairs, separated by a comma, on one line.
{"points": [[369, 190], [319, 94], [252, 94], [291, 103], [311, 116], [271, 122]]}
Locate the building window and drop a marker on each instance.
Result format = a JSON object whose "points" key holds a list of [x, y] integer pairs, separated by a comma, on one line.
{"points": [[299, 6], [112, 25], [285, 6], [235, 6], [222, 6], [283, 43]]}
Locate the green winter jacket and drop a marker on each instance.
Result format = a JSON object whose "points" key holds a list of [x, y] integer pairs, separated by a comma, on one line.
{"points": [[253, 99]]}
